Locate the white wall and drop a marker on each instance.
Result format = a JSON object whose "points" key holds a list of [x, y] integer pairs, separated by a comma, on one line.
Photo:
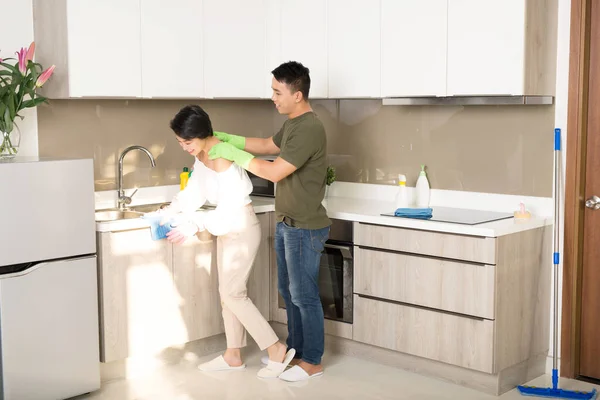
{"points": [[16, 31], [562, 89]]}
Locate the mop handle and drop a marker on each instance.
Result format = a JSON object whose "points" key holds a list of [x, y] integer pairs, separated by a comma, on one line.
{"points": [[556, 255]]}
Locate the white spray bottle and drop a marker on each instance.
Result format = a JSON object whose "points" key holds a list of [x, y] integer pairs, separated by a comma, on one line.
{"points": [[422, 189], [402, 195]]}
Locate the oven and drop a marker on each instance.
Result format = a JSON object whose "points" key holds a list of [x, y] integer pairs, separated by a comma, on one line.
{"points": [[260, 186], [336, 273]]}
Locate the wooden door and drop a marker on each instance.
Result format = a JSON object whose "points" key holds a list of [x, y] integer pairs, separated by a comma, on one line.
{"points": [[590, 304]]}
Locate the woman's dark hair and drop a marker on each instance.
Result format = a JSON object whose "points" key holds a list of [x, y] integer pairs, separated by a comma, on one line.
{"points": [[192, 122], [295, 75]]}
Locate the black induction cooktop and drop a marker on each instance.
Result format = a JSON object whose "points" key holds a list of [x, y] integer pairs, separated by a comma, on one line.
{"points": [[461, 216]]}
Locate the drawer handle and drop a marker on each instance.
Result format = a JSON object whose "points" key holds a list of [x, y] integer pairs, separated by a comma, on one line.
{"points": [[399, 303], [418, 255]]}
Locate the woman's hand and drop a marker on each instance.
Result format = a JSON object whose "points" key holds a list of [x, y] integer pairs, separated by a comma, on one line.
{"points": [[181, 232]]}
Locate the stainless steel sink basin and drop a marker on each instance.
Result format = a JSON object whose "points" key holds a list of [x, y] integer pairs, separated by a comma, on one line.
{"points": [[134, 212], [114, 215], [147, 207], [154, 207]]}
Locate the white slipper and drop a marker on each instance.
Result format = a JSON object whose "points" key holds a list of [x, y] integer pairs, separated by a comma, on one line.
{"points": [[218, 364], [297, 374], [274, 369]]}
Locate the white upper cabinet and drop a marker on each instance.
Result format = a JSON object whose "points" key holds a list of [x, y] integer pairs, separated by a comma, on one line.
{"points": [[104, 48], [354, 43], [486, 47], [353, 48], [235, 48], [305, 42], [172, 60], [95, 46], [413, 47]]}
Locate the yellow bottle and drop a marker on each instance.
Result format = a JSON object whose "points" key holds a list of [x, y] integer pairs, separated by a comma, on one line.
{"points": [[183, 178]]}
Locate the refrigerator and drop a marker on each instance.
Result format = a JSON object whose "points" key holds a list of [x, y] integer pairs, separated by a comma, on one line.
{"points": [[49, 344]]}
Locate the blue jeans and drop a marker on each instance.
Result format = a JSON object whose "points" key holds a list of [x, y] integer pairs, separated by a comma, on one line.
{"points": [[298, 261]]}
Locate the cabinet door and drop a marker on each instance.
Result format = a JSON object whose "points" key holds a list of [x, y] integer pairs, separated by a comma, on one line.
{"points": [[172, 49], [139, 306], [235, 48], [354, 29], [413, 47], [196, 281], [449, 338], [486, 47], [259, 281], [104, 48], [307, 46]]}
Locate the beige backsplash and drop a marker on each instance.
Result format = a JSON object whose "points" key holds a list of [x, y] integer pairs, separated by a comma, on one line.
{"points": [[497, 149]]}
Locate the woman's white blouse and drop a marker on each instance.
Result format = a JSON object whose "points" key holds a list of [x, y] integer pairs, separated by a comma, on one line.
{"points": [[228, 190]]}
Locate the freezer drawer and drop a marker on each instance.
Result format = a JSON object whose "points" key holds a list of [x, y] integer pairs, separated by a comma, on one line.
{"points": [[49, 331]]}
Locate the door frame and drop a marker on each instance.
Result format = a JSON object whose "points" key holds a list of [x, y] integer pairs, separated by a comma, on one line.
{"points": [[576, 143]]}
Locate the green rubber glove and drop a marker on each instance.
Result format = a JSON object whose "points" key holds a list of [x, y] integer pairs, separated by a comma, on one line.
{"points": [[238, 141], [231, 153]]}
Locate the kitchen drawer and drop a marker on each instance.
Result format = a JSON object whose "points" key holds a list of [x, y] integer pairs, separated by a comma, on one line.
{"points": [[462, 341], [461, 247], [459, 287]]}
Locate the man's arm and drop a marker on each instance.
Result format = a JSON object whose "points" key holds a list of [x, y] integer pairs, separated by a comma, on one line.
{"points": [[261, 146], [271, 170]]}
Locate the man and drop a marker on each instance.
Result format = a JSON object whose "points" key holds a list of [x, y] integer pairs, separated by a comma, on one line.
{"points": [[302, 223]]}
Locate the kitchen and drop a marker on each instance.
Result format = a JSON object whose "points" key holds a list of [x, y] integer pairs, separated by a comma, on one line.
{"points": [[481, 157]]}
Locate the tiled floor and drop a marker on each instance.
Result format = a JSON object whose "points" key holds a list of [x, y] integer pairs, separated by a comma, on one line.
{"points": [[345, 378]]}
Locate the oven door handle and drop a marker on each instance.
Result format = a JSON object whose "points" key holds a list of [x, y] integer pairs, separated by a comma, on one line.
{"points": [[345, 250]]}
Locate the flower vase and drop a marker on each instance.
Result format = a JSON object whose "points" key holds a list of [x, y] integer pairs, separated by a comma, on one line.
{"points": [[326, 191], [9, 143]]}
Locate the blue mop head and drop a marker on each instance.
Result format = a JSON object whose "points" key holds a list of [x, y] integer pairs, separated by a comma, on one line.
{"points": [[554, 391], [557, 393]]}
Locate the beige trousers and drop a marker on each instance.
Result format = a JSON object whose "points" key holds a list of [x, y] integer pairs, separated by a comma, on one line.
{"points": [[236, 252]]}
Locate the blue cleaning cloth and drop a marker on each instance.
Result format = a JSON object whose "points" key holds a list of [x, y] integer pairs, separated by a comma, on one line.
{"points": [[157, 231], [419, 213]]}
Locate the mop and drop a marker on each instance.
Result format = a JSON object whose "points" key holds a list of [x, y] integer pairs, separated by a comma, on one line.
{"points": [[555, 391]]}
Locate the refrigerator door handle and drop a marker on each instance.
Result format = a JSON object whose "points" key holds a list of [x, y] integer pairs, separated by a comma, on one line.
{"points": [[16, 270]]}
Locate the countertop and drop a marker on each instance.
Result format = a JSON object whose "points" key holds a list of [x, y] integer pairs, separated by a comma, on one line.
{"points": [[369, 211]]}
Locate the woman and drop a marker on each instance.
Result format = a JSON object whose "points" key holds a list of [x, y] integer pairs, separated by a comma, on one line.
{"points": [[227, 185]]}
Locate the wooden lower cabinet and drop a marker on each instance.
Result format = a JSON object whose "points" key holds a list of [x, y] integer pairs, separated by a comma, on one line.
{"points": [[437, 244], [139, 306], [196, 283], [154, 295], [453, 339], [448, 285]]}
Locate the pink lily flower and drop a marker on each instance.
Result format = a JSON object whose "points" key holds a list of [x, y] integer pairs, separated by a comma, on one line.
{"points": [[45, 76], [22, 60], [30, 52]]}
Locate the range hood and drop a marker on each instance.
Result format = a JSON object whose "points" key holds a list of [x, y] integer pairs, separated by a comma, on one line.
{"points": [[468, 101]]}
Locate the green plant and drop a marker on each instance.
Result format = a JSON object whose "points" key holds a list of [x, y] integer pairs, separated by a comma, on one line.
{"points": [[18, 85], [330, 175]]}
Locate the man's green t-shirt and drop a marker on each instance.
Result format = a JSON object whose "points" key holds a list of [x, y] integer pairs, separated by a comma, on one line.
{"points": [[303, 144]]}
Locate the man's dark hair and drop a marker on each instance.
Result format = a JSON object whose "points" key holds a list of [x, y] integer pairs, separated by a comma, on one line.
{"points": [[192, 122], [295, 75]]}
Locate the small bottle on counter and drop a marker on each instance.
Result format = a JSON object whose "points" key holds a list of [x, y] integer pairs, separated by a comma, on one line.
{"points": [[183, 178], [402, 195], [422, 189]]}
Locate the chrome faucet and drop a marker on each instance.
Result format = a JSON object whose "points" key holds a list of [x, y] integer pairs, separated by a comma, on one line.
{"points": [[123, 200]]}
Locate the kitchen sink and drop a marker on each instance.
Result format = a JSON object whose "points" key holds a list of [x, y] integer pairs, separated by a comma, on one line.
{"points": [[154, 207], [135, 212], [146, 208], [114, 215]]}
